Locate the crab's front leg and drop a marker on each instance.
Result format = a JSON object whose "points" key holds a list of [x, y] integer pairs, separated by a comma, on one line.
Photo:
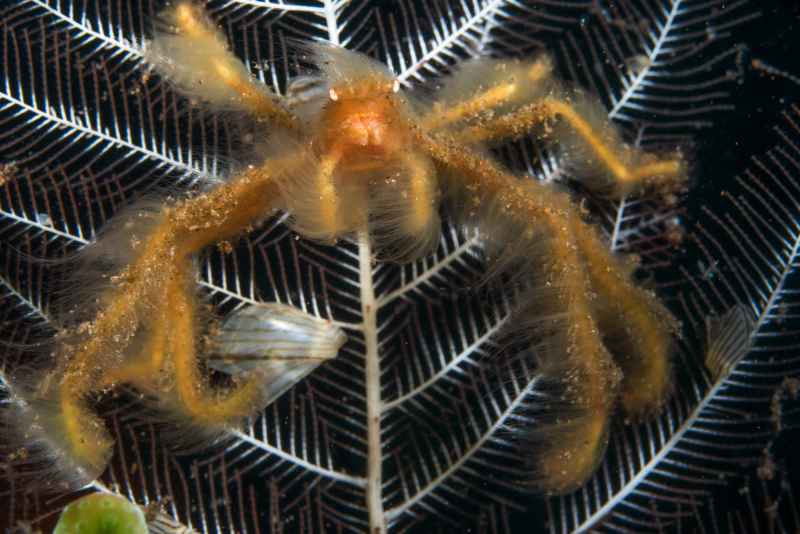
{"points": [[590, 143], [507, 99], [134, 307], [482, 86]]}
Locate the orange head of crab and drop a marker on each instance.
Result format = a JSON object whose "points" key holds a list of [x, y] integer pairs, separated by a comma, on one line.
{"points": [[366, 122]]}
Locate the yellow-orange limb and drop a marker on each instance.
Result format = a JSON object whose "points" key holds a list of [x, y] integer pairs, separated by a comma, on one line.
{"points": [[469, 108], [204, 405], [143, 370], [87, 437], [591, 376], [509, 126], [633, 320], [516, 124], [109, 333], [627, 178], [184, 230], [231, 208], [255, 99], [330, 208], [588, 374], [422, 192], [605, 154], [493, 97], [194, 24]]}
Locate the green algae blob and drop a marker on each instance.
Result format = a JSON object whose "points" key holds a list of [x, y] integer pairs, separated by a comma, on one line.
{"points": [[101, 513]]}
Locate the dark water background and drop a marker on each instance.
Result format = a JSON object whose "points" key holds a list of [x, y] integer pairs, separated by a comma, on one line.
{"points": [[760, 100]]}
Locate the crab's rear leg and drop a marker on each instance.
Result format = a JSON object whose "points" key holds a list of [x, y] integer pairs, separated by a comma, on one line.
{"points": [[573, 357], [632, 320], [638, 327], [171, 348]]}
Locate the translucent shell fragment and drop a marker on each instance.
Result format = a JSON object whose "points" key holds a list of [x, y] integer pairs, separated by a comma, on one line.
{"points": [[279, 342]]}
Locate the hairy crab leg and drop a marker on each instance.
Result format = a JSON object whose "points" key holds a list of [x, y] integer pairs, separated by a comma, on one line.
{"points": [[203, 404], [421, 193], [440, 117], [404, 217], [197, 59], [330, 216], [576, 357], [643, 350], [627, 176], [183, 230], [144, 368]]}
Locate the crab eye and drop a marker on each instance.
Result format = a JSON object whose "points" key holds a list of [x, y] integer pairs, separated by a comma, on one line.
{"points": [[396, 86], [333, 95]]}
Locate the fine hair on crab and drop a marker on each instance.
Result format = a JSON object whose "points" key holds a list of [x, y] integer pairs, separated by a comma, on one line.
{"points": [[350, 151]]}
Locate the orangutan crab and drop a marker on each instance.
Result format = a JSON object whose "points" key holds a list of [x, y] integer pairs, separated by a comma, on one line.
{"points": [[358, 155]]}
